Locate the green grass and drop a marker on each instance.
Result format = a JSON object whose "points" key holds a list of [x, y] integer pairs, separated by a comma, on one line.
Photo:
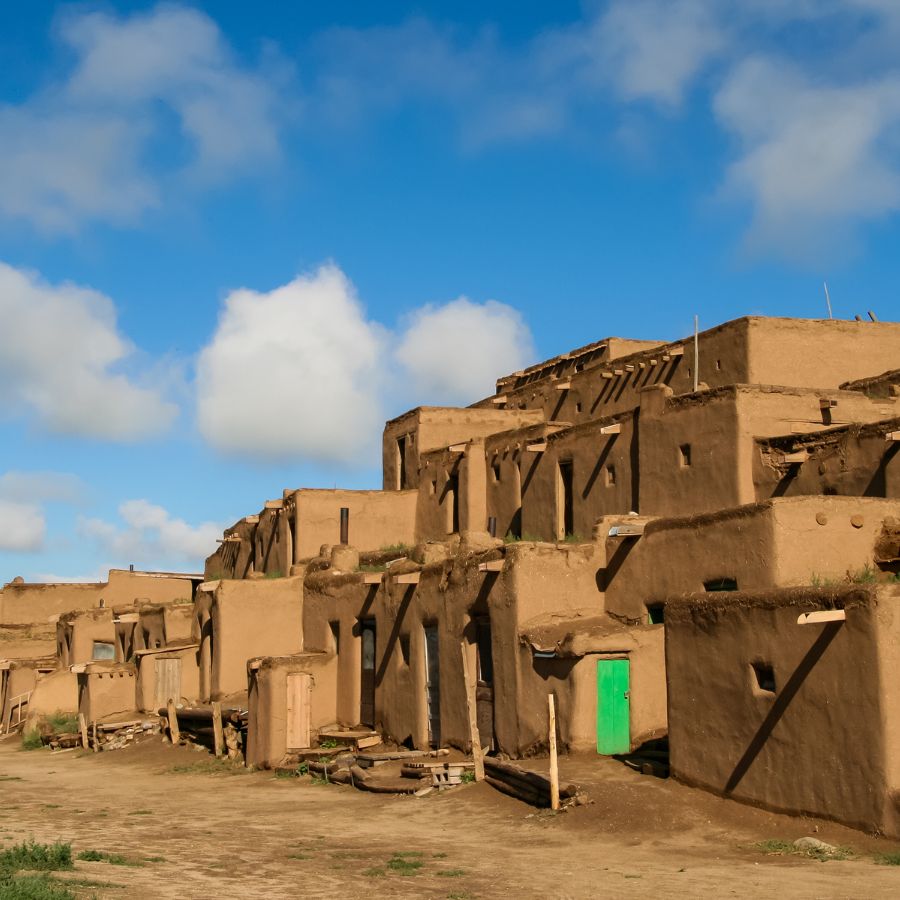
{"points": [[372, 568], [328, 744], [405, 863], [450, 873], [36, 857], [63, 723], [467, 777], [141, 812], [511, 538], [573, 539], [375, 872], [33, 887], [275, 574], [210, 766], [31, 740], [10, 778], [114, 859], [396, 548], [888, 859]]}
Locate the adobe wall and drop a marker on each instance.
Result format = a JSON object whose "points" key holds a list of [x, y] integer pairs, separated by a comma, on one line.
{"points": [[851, 460], [161, 625], [237, 620], [272, 554], [27, 641], [235, 555], [145, 676], [887, 384], [53, 692], [267, 702], [377, 519], [106, 690], [434, 427], [21, 604], [787, 750], [19, 678], [77, 631]]}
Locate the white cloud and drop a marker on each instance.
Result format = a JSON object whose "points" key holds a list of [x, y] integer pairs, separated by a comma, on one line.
{"points": [[815, 158], [22, 526], [301, 372], [455, 352], [60, 354], [149, 533], [293, 371], [78, 150], [36, 487]]}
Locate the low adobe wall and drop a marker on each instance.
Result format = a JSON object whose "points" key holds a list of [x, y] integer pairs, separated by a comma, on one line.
{"points": [[106, 690], [146, 676], [377, 519], [787, 749]]}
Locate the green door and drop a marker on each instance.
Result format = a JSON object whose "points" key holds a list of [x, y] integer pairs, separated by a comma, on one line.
{"points": [[613, 706]]}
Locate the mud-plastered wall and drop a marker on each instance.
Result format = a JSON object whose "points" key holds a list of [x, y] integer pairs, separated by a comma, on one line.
{"points": [[765, 710]]}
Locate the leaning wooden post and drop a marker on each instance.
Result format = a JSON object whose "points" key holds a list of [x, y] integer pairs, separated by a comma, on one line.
{"points": [[96, 742], [554, 762], [82, 725], [174, 733], [218, 735], [472, 708]]}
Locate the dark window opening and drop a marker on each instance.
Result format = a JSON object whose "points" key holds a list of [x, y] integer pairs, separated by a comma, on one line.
{"points": [[721, 584], [685, 450], [495, 470], [718, 365], [765, 676], [404, 648], [401, 462], [566, 498], [484, 656], [335, 628], [610, 476], [578, 407], [656, 614], [103, 650], [433, 487], [453, 498]]}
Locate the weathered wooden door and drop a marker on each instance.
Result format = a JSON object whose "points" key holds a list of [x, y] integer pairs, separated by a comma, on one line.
{"points": [[367, 683], [168, 679], [433, 684], [613, 706], [298, 687]]}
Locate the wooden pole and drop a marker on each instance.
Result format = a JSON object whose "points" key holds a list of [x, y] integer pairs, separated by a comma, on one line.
{"points": [[174, 733], [554, 762], [696, 353], [218, 735], [82, 725], [96, 742], [472, 708], [827, 299]]}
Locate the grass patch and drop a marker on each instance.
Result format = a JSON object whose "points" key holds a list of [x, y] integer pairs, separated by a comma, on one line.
{"points": [[210, 766], [275, 574], [396, 548], [787, 848], [525, 537], [154, 859], [405, 863], [328, 744], [33, 887], [573, 539], [450, 873], [63, 723], [372, 568], [375, 872], [888, 859], [467, 778], [36, 857], [114, 859], [31, 740]]}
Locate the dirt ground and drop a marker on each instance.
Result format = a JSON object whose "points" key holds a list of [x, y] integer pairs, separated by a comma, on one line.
{"points": [[198, 828]]}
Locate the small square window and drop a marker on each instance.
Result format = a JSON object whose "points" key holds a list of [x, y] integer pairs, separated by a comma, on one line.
{"points": [[404, 648], [765, 676], [495, 470], [432, 488], [685, 455], [610, 476], [103, 650], [578, 407], [656, 614], [718, 365]]}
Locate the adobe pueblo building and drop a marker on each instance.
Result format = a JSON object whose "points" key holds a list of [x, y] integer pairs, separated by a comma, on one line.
{"points": [[696, 540]]}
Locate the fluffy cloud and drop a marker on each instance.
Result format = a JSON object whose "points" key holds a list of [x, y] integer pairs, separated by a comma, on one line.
{"points": [[60, 352], [300, 371], [148, 533], [293, 371], [22, 526], [77, 150], [454, 353], [814, 158]]}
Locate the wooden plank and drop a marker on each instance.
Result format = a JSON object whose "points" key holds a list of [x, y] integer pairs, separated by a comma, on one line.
{"points": [[611, 429], [471, 707], [824, 403], [174, 733], [82, 725], [218, 734], [298, 711], [892, 436], [606, 374], [96, 742], [373, 577], [538, 447], [563, 385], [407, 578], [676, 351], [554, 762], [492, 565], [364, 742], [499, 400], [457, 448], [823, 615], [800, 456]]}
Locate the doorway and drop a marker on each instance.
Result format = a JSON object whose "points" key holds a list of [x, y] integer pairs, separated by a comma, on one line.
{"points": [[367, 681], [484, 684], [168, 680], [565, 521], [613, 706], [299, 685], [433, 684], [452, 498]]}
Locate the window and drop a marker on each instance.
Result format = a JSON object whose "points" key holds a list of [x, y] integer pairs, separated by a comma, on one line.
{"points": [[565, 500], [404, 648], [721, 584], [578, 407], [103, 650], [433, 486], [764, 676], [401, 463], [718, 365], [685, 455], [495, 470], [610, 476], [656, 614]]}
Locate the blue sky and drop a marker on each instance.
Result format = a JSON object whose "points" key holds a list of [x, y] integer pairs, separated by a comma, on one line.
{"points": [[234, 238]]}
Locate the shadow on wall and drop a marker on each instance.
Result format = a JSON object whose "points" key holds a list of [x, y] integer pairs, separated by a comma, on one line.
{"points": [[782, 701]]}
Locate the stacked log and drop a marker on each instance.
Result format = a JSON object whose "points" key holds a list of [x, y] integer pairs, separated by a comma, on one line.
{"points": [[529, 787]]}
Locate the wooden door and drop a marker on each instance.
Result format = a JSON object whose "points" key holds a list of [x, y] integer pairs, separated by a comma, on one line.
{"points": [[299, 685], [613, 706], [168, 680], [433, 685], [367, 681], [484, 684]]}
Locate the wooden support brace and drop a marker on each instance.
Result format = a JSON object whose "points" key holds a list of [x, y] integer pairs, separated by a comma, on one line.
{"points": [[666, 357], [612, 429], [82, 726], [457, 448], [499, 400], [372, 577], [629, 368], [618, 372], [676, 351], [800, 456], [822, 615], [472, 709], [642, 365], [892, 436], [407, 578], [218, 734], [825, 403], [606, 374], [539, 447], [492, 565], [563, 385], [174, 733], [653, 362], [554, 762]]}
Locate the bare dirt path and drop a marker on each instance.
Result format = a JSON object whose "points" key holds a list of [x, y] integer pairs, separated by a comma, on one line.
{"points": [[201, 833]]}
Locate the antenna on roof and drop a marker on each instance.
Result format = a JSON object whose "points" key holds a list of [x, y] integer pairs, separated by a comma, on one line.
{"points": [[827, 299], [872, 316]]}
